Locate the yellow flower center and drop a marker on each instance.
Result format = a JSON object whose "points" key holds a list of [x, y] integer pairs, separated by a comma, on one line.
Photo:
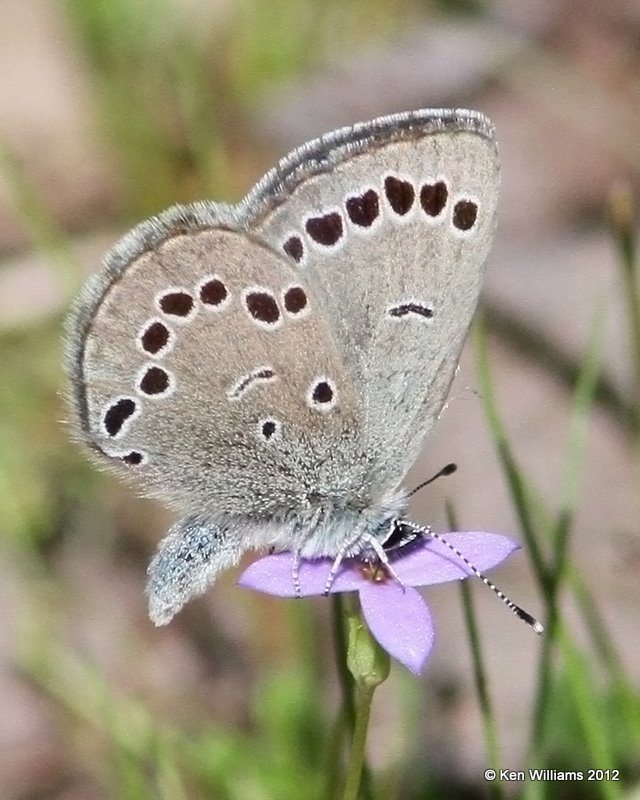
{"points": [[375, 572]]}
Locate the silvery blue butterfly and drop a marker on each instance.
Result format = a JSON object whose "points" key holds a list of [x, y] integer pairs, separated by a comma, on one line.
{"points": [[270, 369]]}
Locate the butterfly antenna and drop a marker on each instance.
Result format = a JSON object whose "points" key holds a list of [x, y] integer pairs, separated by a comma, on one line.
{"points": [[532, 622], [449, 469]]}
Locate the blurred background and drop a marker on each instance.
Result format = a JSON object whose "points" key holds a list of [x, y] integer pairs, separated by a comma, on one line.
{"points": [[111, 110]]}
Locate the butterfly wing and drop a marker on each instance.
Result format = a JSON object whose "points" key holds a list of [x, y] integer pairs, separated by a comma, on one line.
{"points": [[391, 222], [202, 367]]}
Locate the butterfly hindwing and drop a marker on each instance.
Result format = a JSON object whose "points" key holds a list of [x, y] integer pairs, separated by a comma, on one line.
{"points": [[206, 372]]}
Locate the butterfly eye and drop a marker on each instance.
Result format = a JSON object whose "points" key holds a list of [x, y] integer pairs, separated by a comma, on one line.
{"points": [[401, 535]]}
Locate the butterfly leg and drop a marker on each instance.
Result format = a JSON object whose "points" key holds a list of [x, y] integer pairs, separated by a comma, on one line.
{"points": [[336, 566], [375, 546], [379, 550], [186, 563], [295, 573]]}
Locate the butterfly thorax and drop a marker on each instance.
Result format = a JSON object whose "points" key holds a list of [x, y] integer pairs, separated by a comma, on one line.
{"points": [[322, 527]]}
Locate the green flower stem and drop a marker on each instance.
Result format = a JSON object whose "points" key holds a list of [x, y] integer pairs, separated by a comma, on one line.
{"points": [[345, 721], [364, 699], [342, 607], [369, 664], [339, 615]]}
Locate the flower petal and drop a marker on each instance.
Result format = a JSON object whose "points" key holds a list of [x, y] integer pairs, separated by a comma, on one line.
{"points": [[400, 621], [430, 561], [274, 575]]}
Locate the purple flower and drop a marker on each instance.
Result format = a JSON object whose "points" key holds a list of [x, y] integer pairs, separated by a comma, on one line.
{"points": [[396, 614]]}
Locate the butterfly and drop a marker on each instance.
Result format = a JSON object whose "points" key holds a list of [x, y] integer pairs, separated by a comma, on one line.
{"points": [[269, 369]]}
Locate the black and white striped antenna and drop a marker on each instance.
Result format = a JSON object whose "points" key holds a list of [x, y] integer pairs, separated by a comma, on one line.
{"points": [[531, 621], [405, 532]]}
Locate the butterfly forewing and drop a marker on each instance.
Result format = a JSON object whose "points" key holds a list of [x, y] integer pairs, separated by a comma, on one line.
{"points": [[391, 223]]}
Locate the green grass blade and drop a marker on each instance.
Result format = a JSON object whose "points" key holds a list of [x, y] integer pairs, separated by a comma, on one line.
{"points": [[489, 726], [517, 484]]}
